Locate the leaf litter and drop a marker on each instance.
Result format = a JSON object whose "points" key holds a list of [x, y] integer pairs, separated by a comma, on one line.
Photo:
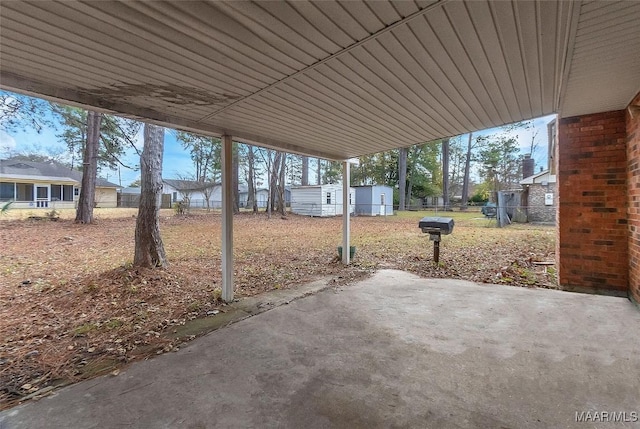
{"points": [[72, 306]]}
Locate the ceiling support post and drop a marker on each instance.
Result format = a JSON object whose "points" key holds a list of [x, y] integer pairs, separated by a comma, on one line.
{"points": [[346, 211], [227, 219]]}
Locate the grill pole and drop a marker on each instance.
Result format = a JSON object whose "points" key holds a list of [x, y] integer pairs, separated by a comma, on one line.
{"points": [[436, 251]]}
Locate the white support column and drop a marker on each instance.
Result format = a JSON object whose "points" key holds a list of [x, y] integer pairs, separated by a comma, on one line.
{"points": [[346, 209], [227, 219]]}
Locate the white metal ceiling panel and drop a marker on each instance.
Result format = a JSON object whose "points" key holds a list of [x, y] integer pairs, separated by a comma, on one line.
{"points": [[605, 61], [328, 78]]}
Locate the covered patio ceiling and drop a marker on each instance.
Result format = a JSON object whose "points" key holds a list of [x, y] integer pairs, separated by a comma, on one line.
{"points": [[329, 79]]}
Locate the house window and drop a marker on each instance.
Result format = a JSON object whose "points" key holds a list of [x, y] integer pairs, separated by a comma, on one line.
{"points": [[328, 197], [76, 192], [56, 192], [61, 192], [24, 192], [7, 191], [43, 192], [67, 192], [175, 197]]}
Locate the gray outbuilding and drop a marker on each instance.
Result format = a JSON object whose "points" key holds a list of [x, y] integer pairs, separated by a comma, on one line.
{"points": [[374, 200]]}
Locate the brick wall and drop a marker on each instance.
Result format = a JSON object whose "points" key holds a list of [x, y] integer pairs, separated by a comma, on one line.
{"points": [[537, 210], [633, 180], [592, 214]]}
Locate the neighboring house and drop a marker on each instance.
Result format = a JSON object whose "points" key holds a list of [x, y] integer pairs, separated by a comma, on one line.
{"points": [[130, 191], [130, 197], [429, 202], [262, 196], [48, 185], [320, 200], [194, 192], [539, 190], [374, 200], [539, 197]]}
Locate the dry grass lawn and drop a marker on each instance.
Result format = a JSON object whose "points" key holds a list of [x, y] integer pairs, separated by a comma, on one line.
{"points": [[71, 305]]}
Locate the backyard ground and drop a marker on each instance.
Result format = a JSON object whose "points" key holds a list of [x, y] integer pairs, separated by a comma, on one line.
{"points": [[72, 307]]}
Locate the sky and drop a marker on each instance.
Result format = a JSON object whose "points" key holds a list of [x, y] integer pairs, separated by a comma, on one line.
{"points": [[177, 162]]}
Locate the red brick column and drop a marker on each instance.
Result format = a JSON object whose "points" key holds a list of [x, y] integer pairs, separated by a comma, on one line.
{"points": [[592, 214], [633, 183]]}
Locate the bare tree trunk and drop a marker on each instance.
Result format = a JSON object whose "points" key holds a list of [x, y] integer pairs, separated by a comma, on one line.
{"points": [[319, 172], [402, 177], [149, 250], [445, 173], [269, 183], [251, 185], [206, 192], [86, 201], [273, 180], [281, 202], [465, 180], [305, 171], [235, 171], [411, 176]]}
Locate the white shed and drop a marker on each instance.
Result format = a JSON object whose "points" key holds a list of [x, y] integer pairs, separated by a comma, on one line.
{"points": [[319, 200]]}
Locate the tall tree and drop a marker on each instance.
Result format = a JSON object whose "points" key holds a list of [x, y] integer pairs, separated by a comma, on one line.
{"points": [[281, 183], [20, 112], [86, 201], [73, 121], [467, 173], [332, 172], [445, 173], [319, 172], [500, 163], [457, 149], [207, 193], [149, 249], [273, 180], [305, 171], [402, 177], [251, 179], [413, 155], [35, 153], [116, 135], [425, 173], [205, 154]]}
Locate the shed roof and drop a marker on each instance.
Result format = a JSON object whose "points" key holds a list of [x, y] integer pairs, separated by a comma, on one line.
{"points": [[332, 79]]}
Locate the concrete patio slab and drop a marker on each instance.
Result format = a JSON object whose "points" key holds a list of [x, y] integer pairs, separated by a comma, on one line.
{"points": [[394, 350]]}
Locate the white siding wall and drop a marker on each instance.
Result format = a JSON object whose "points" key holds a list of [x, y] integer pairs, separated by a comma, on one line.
{"points": [[262, 195], [312, 200], [306, 200], [106, 197]]}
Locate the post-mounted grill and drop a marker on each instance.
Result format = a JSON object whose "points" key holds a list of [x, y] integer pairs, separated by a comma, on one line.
{"points": [[436, 227]]}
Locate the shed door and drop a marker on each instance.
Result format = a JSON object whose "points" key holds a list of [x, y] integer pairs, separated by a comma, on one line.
{"points": [[383, 204]]}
